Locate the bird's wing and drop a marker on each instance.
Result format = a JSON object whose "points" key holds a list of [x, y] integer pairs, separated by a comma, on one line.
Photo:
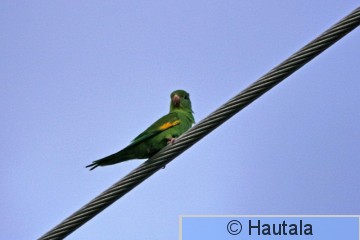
{"points": [[164, 123]]}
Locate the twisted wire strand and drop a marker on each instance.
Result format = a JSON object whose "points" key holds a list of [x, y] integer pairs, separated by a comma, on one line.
{"points": [[205, 126]]}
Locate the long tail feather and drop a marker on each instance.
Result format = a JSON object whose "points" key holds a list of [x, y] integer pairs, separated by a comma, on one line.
{"points": [[118, 157]]}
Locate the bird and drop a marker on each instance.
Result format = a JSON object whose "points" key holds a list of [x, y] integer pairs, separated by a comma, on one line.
{"points": [[162, 132]]}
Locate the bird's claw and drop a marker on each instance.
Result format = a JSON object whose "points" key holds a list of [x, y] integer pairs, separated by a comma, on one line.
{"points": [[171, 140]]}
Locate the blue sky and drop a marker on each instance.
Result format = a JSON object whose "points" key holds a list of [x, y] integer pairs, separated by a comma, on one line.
{"points": [[81, 79]]}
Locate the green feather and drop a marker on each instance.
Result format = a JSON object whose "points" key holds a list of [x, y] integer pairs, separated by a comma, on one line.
{"points": [[156, 137]]}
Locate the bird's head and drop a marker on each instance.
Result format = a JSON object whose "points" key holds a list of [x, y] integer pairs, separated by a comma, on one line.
{"points": [[180, 99]]}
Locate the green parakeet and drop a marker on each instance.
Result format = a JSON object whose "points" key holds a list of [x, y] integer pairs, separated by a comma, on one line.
{"points": [[162, 132]]}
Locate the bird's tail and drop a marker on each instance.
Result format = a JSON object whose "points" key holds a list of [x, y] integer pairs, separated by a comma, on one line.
{"points": [[118, 157]]}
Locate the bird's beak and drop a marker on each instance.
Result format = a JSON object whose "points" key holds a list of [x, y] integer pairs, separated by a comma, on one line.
{"points": [[176, 100]]}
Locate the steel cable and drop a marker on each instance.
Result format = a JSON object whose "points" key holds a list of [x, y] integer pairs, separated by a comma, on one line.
{"points": [[205, 126]]}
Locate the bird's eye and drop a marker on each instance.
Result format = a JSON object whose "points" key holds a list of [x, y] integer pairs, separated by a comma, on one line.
{"points": [[186, 97]]}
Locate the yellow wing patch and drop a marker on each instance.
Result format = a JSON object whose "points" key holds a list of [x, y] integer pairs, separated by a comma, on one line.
{"points": [[169, 125]]}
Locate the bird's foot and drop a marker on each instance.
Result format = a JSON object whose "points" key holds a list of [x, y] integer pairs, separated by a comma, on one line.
{"points": [[171, 140]]}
